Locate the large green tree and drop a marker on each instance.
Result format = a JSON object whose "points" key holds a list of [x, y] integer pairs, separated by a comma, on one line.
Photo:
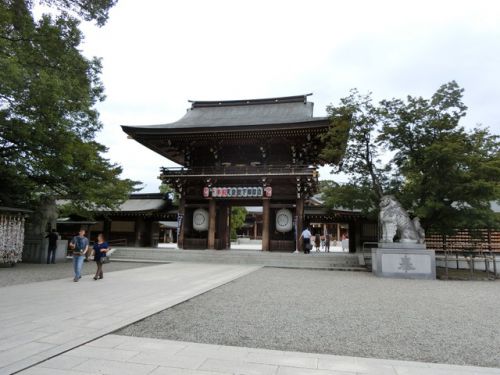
{"points": [[238, 216], [418, 150], [48, 119]]}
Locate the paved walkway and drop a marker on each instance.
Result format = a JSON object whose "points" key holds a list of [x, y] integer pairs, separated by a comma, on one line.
{"points": [[124, 355], [61, 327], [43, 319]]}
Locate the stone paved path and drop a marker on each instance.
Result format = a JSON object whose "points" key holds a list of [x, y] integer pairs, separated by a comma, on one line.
{"points": [[124, 355], [41, 320]]}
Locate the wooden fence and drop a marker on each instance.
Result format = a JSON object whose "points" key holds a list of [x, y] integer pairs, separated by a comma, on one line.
{"points": [[483, 240]]}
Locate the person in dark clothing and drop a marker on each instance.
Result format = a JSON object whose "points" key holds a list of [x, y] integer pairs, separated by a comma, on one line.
{"points": [[306, 235], [100, 249], [317, 241], [51, 252], [328, 239]]}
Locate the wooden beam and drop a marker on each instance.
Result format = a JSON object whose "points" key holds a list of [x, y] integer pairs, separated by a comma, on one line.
{"points": [[282, 205], [212, 213]]}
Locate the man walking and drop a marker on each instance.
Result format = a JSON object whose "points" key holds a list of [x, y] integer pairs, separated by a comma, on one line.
{"points": [[306, 235], [51, 251], [80, 245]]}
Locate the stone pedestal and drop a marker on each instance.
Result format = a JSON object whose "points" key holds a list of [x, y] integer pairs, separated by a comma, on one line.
{"points": [[35, 250], [404, 261], [61, 251]]}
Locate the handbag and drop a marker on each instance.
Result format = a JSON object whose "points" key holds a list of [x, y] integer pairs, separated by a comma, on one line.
{"points": [[104, 257]]}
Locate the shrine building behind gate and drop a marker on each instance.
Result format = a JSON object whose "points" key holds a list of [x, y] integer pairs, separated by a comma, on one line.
{"points": [[259, 152]]}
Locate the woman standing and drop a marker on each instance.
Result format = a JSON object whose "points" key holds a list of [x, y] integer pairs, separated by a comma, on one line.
{"points": [[100, 249], [317, 241]]}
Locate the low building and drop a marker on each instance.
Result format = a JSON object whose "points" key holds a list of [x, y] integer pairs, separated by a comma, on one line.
{"points": [[139, 221]]}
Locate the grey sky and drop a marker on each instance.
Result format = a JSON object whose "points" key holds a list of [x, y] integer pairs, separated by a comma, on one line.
{"points": [[157, 54]]}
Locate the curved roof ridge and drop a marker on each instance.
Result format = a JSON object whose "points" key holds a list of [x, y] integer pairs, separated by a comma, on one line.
{"points": [[240, 102]]}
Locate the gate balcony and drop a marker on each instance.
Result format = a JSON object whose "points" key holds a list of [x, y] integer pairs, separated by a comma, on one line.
{"points": [[240, 171]]}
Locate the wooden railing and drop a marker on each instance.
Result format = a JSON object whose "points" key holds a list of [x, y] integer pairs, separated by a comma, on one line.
{"points": [[240, 170], [118, 242]]}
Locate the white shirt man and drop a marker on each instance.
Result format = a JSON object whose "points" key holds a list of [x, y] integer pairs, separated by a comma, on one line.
{"points": [[306, 235]]}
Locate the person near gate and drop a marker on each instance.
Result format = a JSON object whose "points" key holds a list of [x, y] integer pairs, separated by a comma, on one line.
{"points": [[345, 242], [51, 251], [328, 239], [100, 249], [306, 235], [317, 241], [80, 245]]}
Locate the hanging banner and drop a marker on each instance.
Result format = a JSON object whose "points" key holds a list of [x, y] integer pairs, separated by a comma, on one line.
{"points": [[238, 192], [179, 221], [179, 224]]}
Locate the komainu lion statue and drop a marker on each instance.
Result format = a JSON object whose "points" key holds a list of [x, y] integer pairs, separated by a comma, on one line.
{"points": [[395, 220]]}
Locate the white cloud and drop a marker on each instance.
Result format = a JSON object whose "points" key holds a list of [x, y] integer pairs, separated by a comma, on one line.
{"points": [[158, 54]]}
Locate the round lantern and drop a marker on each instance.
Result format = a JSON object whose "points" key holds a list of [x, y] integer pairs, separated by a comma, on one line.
{"points": [[284, 221], [200, 220]]}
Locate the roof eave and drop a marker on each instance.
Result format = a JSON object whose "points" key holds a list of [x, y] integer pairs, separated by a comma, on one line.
{"points": [[171, 129]]}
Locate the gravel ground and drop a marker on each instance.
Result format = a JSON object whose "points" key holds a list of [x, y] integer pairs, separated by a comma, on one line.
{"points": [[24, 273], [343, 313]]}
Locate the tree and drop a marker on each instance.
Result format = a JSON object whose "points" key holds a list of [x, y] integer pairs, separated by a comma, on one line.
{"points": [[48, 120], [352, 147], [170, 194], [417, 150], [350, 196], [451, 175], [238, 216]]}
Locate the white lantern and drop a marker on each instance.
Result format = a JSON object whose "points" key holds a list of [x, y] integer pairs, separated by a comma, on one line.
{"points": [[200, 220], [284, 221]]}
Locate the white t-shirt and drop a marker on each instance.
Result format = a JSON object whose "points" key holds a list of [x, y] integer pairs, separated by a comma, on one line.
{"points": [[306, 233]]}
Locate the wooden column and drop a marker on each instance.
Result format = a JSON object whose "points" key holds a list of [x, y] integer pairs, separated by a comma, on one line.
{"points": [[211, 223], [154, 234], [299, 212], [229, 223], [265, 224], [106, 229], [228, 227], [89, 233], [139, 230], [223, 226], [180, 234]]}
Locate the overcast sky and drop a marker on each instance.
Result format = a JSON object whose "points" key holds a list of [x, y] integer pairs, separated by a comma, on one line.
{"points": [[158, 54]]}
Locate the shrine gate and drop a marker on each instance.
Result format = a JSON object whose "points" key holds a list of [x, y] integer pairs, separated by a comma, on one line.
{"points": [[259, 152]]}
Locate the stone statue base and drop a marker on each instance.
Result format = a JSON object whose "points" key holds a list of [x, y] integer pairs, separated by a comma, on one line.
{"points": [[35, 250], [404, 261]]}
